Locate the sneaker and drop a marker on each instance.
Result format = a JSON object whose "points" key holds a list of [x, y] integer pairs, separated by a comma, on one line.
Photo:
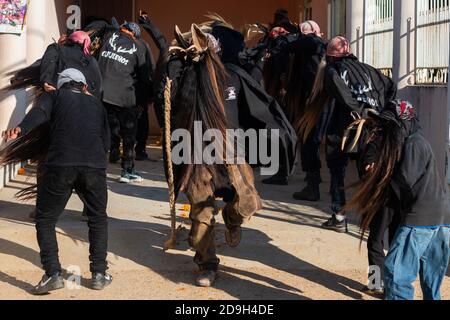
{"points": [[233, 237], [48, 284], [130, 177], [335, 225], [206, 279], [100, 281], [309, 193]]}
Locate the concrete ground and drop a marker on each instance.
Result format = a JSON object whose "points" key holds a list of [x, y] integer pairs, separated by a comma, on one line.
{"points": [[284, 253]]}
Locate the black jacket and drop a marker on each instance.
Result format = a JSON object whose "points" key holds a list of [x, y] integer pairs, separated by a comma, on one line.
{"points": [[253, 108], [57, 58], [424, 198], [125, 71], [356, 85], [79, 130]]}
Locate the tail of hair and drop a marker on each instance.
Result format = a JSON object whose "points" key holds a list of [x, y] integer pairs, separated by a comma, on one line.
{"points": [[199, 96], [372, 192], [314, 105], [32, 147], [25, 78], [200, 93], [217, 20]]}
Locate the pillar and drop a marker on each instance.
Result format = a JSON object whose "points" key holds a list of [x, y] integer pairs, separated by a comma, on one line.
{"points": [[404, 43], [13, 56], [355, 26], [36, 35], [448, 116]]}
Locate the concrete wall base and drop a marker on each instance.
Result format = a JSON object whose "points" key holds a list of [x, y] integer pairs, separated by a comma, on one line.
{"points": [[8, 173]]}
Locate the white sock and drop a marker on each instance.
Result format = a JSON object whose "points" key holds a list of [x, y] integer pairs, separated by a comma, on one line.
{"points": [[340, 217]]}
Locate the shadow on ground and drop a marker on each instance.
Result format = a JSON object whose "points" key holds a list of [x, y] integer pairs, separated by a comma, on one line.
{"points": [[141, 243]]}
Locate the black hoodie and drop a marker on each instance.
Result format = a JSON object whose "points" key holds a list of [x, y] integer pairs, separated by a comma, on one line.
{"points": [[356, 85], [416, 187], [58, 58], [424, 198], [125, 71]]}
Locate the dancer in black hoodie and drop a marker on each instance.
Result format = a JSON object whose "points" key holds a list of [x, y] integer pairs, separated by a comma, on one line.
{"points": [[355, 88], [307, 53], [71, 52], [125, 71]]}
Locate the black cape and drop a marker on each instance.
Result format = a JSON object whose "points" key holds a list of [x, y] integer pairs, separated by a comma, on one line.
{"points": [[258, 110]]}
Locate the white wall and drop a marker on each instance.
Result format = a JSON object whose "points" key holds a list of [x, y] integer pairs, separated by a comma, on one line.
{"points": [[46, 20], [431, 103]]}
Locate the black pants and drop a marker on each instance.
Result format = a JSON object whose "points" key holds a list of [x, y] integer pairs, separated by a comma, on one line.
{"points": [[54, 191], [142, 131], [337, 162], [123, 124], [310, 153], [386, 220]]}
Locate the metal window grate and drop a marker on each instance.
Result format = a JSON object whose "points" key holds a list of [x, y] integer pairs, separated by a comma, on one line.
{"points": [[432, 51], [379, 34]]}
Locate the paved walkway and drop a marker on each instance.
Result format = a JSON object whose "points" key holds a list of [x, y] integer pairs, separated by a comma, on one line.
{"points": [[284, 254]]}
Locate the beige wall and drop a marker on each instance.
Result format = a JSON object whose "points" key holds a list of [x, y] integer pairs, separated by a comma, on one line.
{"points": [[319, 13], [46, 21]]}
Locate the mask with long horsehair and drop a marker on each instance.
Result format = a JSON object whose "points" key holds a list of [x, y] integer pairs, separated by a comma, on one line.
{"points": [[196, 50]]}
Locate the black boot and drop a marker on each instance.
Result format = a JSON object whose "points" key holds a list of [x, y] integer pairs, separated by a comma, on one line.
{"points": [[312, 190]]}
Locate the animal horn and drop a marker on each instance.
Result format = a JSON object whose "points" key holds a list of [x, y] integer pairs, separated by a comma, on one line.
{"points": [[180, 39], [199, 38]]}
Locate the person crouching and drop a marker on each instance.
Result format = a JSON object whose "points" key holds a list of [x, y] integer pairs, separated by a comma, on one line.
{"points": [[404, 172]]}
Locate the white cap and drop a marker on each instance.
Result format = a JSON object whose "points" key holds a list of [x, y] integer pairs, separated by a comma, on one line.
{"points": [[69, 75]]}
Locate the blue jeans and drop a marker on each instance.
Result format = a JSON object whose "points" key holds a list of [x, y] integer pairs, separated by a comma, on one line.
{"points": [[417, 251]]}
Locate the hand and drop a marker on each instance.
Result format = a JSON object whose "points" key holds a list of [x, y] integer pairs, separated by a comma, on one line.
{"points": [[62, 39], [370, 167], [143, 16], [11, 134], [48, 87]]}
